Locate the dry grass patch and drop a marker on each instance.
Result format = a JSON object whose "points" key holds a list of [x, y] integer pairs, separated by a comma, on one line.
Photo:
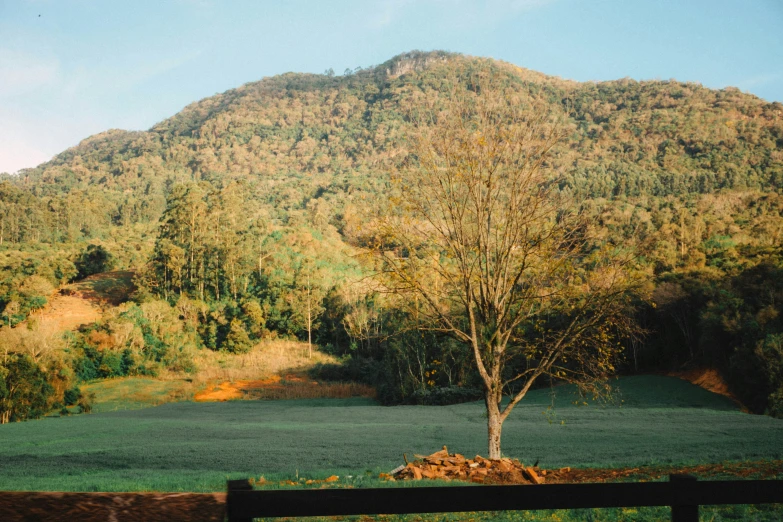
{"points": [[266, 359], [272, 370]]}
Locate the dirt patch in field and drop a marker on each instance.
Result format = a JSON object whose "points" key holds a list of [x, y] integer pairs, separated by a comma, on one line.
{"points": [[709, 379], [66, 312], [743, 470], [287, 386], [118, 507], [746, 470], [84, 302]]}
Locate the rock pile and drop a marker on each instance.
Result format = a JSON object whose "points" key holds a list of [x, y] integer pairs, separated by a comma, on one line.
{"points": [[445, 466]]}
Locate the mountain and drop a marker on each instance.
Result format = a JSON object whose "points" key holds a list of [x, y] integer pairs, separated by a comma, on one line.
{"points": [[301, 137], [225, 203]]}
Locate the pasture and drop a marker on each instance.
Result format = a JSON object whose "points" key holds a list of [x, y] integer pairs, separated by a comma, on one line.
{"points": [[190, 446]]}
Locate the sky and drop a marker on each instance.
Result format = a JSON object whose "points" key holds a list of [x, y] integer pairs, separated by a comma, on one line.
{"points": [[73, 68]]}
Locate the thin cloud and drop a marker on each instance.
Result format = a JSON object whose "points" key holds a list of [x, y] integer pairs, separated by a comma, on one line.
{"points": [[23, 72], [761, 79], [389, 11], [520, 5], [121, 77]]}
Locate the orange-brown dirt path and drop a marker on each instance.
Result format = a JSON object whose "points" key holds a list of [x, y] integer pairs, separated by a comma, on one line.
{"points": [[232, 390], [18, 506]]}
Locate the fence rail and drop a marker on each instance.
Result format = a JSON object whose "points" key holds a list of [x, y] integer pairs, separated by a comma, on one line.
{"points": [[683, 493]]}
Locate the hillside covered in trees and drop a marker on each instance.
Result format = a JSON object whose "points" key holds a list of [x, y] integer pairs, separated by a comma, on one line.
{"points": [[245, 215]]}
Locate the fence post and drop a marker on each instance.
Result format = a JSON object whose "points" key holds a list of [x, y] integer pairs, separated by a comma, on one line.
{"points": [[234, 486], [684, 512]]}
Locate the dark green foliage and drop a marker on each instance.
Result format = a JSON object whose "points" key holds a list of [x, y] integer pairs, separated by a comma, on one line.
{"points": [[72, 396], [94, 260], [111, 365], [156, 340], [350, 369], [25, 391], [84, 364], [728, 319], [445, 396]]}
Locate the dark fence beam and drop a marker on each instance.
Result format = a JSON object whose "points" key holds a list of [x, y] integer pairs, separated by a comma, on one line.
{"points": [[246, 504]]}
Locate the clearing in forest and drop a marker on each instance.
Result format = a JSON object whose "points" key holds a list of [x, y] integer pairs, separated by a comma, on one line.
{"points": [[83, 302], [273, 369]]}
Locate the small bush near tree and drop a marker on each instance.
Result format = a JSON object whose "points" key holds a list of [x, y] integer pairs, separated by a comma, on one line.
{"points": [[237, 340], [86, 402]]}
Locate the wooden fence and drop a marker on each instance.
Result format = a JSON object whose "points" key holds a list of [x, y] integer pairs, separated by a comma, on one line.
{"points": [[682, 492]]}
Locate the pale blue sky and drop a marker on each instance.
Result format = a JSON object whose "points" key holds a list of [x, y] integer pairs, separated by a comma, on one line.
{"points": [[84, 66]]}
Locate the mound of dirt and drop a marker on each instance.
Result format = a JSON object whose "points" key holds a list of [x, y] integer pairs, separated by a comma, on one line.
{"points": [[208, 507], [442, 465]]}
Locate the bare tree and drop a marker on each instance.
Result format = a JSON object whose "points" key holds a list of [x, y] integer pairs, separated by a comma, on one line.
{"points": [[478, 232]]}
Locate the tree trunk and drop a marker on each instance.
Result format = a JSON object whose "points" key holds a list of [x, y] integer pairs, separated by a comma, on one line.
{"points": [[309, 335], [309, 322], [494, 427]]}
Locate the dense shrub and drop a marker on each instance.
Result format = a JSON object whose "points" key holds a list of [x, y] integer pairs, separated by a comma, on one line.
{"points": [[72, 396], [94, 260], [237, 340], [445, 396], [375, 373], [25, 390], [352, 369]]}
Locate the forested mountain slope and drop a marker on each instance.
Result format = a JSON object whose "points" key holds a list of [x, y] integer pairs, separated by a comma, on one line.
{"points": [[301, 139], [224, 203]]}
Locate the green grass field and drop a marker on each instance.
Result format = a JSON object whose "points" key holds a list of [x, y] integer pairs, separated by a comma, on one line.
{"points": [[196, 446]]}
